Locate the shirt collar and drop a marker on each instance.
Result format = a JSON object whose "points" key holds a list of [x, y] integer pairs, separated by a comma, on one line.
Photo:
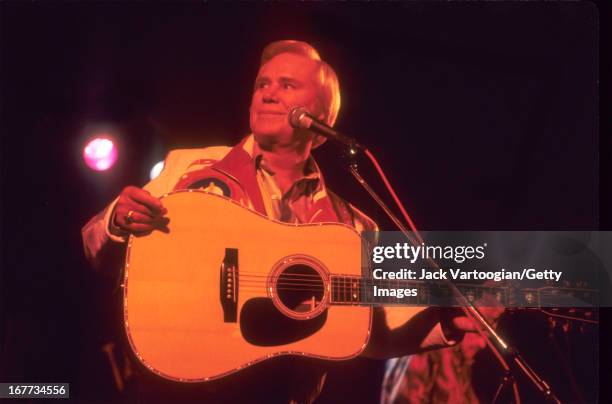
{"points": [[312, 172]]}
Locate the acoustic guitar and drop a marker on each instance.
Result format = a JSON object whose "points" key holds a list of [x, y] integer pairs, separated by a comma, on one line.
{"points": [[227, 288]]}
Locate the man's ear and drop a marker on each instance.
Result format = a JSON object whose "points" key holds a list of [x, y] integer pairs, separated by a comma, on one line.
{"points": [[322, 117], [319, 140]]}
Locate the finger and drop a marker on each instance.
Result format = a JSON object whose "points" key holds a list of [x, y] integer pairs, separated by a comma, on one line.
{"points": [[126, 204], [140, 213], [464, 324], [491, 313], [161, 223], [138, 217], [163, 226], [125, 215], [142, 197]]}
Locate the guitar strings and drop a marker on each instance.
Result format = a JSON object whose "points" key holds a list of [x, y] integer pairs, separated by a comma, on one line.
{"points": [[345, 292], [338, 281], [288, 274], [351, 284]]}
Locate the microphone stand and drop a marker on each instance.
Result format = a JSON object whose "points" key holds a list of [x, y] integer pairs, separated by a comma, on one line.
{"points": [[500, 348]]}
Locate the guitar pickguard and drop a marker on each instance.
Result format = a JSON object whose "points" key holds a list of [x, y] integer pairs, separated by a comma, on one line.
{"points": [[262, 324]]}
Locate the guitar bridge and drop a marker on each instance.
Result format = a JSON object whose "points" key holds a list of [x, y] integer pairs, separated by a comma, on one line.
{"points": [[228, 287]]}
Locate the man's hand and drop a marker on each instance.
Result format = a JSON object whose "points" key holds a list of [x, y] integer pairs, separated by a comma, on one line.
{"points": [[137, 212], [455, 323]]}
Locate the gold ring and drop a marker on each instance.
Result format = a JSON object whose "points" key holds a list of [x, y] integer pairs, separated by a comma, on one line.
{"points": [[128, 217]]}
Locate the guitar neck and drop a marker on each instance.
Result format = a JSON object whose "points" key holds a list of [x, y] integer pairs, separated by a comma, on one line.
{"points": [[357, 290]]}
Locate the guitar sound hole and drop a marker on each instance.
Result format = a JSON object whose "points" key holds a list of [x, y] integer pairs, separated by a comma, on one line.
{"points": [[300, 288]]}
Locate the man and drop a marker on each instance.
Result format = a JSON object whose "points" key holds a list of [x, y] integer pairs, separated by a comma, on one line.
{"points": [[272, 171]]}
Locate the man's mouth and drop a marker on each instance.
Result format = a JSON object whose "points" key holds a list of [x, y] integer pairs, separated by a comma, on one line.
{"points": [[272, 113]]}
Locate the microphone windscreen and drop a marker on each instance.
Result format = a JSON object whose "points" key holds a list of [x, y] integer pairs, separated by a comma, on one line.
{"points": [[299, 118]]}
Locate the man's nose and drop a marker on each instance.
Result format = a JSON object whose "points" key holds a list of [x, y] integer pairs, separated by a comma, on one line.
{"points": [[270, 95]]}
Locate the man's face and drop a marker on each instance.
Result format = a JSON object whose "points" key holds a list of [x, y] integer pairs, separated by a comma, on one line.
{"points": [[286, 81]]}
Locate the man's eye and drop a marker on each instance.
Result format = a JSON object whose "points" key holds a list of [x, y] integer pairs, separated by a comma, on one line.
{"points": [[288, 86], [261, 85]]}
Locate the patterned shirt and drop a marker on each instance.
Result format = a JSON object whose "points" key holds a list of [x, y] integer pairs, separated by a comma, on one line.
{"points": [[434, 377], [296, 205]]}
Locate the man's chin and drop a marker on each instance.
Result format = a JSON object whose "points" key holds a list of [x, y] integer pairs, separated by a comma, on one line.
{"points": [[270, 138], [266, 137]]}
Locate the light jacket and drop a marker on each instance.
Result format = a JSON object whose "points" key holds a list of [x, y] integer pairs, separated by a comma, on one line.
{"points": [[231, 171]]}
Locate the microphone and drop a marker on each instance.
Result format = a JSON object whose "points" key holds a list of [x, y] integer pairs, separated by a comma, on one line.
{"points": [[300, 118]]}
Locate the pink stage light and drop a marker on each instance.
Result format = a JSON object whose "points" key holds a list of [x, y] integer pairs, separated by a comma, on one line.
{"points": [[100, 154]]}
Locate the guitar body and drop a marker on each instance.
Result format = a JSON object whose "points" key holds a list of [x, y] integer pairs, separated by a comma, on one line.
{"points": [[227, 288]]}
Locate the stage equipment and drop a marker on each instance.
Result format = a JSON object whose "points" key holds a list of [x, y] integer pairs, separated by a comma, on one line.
{"points": [[299, 117], [100, 153], [157, 168]]}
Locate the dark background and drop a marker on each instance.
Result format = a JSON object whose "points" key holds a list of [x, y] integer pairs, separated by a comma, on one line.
{"points": [[484, 116]]}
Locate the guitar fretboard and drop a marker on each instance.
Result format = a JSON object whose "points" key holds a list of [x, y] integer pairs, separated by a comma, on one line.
{"points": [[357, 290]]}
